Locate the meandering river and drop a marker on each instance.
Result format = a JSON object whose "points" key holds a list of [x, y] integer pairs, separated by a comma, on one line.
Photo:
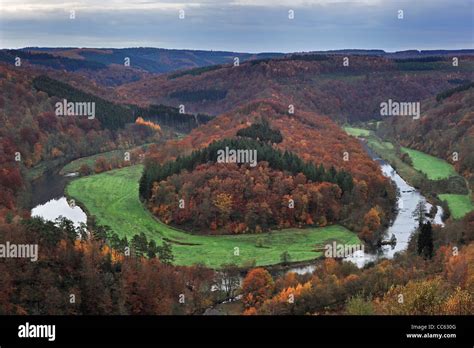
{"points": [[50, 203], [402, 227]]}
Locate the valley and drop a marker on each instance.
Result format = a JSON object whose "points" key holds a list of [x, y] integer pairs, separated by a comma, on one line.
{"points": [[432, 167], [123, 212], [142, 199]]}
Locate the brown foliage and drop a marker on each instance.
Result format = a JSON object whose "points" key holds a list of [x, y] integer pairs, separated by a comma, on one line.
{"points": [[257, 287]]}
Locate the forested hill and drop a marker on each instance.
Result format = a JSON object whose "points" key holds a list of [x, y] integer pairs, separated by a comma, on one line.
{"points": [[113, 67], [33, 135], [160, 60], [49, 60], [311, 82], [293, 149], [110, 115], [153, 60], [113, 116], [314, 138], [276, 159], [446, 127]]}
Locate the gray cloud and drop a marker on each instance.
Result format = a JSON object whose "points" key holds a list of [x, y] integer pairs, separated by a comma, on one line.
{"points": [[240, 25]]}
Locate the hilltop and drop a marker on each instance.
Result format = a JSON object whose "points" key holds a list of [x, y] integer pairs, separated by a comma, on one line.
{"points": [[342, 187]]}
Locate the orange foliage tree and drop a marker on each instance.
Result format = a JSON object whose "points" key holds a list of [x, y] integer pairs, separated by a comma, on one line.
{"points": [[257, 286]]}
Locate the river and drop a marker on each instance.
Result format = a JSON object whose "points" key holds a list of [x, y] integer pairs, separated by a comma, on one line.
{"points": [[402, 227], [48, 200]]}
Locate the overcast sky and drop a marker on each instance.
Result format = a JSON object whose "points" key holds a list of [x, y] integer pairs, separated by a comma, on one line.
{"points": [[239, 25]]}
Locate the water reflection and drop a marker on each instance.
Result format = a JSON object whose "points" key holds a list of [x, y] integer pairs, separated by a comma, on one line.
{"points": [[55, 208], [402, 227]]}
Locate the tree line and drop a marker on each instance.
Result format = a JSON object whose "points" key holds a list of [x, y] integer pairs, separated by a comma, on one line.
{"points": [[450, 92], [261, 131], [114, 116], [111, 116], [277, 159], [171, 117], [50, 61]]}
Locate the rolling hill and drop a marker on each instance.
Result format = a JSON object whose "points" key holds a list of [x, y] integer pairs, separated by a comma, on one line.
{"points": [[310, 82], [445, 130]]}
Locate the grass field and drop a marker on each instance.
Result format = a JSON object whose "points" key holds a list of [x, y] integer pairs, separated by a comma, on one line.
{"points": [[386, 151], [459, 205], [434, 168], [357, 132], [113, 198]]}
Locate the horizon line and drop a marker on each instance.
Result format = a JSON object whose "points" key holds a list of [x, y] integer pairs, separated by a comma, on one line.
{"points": [[240, 52]]}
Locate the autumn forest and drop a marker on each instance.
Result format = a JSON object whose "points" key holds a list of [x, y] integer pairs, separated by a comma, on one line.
{"points": [[149, 181]]}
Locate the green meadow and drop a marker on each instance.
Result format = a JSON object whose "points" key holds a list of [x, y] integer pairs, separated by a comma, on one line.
{"points": [[357, 132], [113, 198], [459, 205], [434, 168], [386, 150]]}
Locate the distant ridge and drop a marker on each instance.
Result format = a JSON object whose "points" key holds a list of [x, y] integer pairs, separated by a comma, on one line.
{"points": [[397, 54], [149, 59]]}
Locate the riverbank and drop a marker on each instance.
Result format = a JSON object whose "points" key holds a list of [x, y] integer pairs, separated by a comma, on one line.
{"points": [[48, 179], [436, 179]]}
